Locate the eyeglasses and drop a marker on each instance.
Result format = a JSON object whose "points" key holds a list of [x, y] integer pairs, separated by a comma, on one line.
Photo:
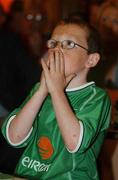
{"points": [[66, 44], [31, 17]]}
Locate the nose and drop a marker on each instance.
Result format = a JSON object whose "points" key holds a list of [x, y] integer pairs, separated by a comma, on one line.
{"points": [[58, 46], [109, 23]]}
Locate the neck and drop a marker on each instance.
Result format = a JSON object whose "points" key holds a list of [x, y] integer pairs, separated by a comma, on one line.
{"points": [[76, 82]]}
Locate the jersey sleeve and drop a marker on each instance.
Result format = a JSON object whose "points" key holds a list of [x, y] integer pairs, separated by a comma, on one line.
{"points": [[10, 118], [95, 116]]}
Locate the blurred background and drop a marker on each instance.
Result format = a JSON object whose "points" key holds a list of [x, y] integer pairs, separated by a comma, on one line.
{"points": [[25, 26]]}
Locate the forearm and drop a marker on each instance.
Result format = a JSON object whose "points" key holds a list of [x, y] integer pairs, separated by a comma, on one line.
{"points": [[22, 123], [67, 121], [56, 82]]}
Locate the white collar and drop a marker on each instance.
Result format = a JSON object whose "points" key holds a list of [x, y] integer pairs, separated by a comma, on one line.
{"points": [[80, 87]]}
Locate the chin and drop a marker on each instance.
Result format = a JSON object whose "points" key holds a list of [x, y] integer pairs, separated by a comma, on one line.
{"points": [[69, 73]]}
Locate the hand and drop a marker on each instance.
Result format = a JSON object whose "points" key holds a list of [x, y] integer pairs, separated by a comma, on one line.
{"points": [[55, 72], [43, 84]]}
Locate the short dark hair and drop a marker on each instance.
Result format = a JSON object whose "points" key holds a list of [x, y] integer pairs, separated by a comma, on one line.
{"points": [[93, 37]]}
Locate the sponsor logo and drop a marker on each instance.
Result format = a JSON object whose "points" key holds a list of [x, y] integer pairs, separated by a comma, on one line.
{"points": [[46, 149], [34, 164]]}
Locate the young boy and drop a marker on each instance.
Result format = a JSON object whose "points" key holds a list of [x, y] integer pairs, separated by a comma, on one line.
{"points": [[64, 119]]}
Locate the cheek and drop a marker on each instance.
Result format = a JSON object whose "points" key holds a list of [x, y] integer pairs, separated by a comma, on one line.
{"points": [[74, 64], [115, 29], [68, 68], [71, 65]]}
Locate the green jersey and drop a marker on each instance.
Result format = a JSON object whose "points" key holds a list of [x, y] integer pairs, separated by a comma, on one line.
{"points": [[46, 157]]}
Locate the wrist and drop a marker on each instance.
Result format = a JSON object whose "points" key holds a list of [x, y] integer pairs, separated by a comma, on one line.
{"points": [[58, 92], [43, 91]]}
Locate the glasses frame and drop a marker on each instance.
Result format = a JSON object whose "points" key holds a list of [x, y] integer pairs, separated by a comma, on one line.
{"points": [[61, 43]]}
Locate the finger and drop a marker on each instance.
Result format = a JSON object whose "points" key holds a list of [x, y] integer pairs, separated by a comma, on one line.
{"points": [[45, 67], [57, 60], [48, 64], [52, 61], [62, 63]]}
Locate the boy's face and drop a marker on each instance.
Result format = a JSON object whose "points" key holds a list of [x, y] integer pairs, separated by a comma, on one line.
{"points": [[75, 58]]}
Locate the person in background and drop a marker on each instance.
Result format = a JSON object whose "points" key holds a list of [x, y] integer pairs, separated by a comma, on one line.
{"points": [[19, 71], [108, 28], [36, 18], [17, 67], [94, 8], [65, 117]]}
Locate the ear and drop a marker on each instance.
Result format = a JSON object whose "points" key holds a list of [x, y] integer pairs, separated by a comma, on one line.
{"points": [[92, 60]]}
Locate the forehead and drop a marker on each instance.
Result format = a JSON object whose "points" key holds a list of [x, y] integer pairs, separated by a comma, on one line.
{"points": [[70, 30], [110, 12]]}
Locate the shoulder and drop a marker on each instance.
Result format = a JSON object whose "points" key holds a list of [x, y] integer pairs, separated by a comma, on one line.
{"points": [[102, 94]]}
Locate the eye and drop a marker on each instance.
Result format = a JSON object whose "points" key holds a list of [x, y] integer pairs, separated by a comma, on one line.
{"points": [[68, 44]]}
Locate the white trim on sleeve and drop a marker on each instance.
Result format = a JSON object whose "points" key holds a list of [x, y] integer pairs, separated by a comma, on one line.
{"points": [[80, 138], [7, 133]]}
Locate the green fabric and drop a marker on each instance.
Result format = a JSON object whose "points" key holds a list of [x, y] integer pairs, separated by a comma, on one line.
{"points": [[46, 156], [5, 176]]}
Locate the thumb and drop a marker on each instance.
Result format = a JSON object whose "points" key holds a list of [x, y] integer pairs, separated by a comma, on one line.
{"points": [[70, 77]]}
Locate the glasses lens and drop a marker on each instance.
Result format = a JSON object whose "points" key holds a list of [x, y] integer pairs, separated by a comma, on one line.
{"points": [[38, 17], [51, 43], [67, 44], [29, 17]]}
